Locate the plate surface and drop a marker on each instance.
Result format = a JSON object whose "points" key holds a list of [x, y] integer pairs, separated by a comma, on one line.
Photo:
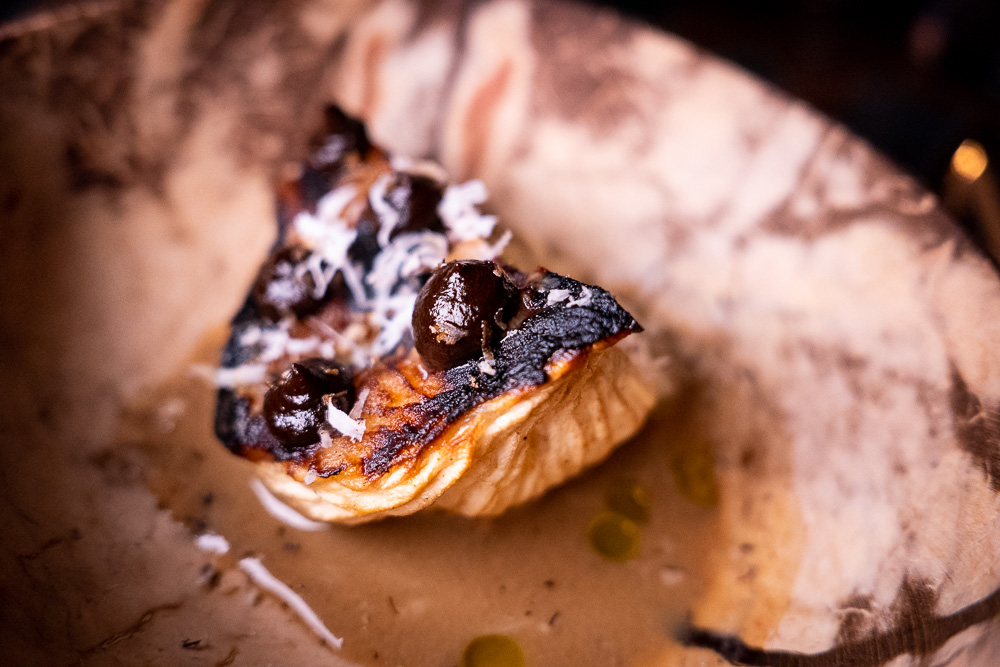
{"points": [[824, 476]]}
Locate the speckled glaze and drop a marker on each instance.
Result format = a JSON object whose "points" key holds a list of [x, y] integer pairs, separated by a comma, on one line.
{"points": [[838, 330]]}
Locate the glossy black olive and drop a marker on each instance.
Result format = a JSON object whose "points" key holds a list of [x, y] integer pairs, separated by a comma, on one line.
{"points": [[415, 198], [282, 288], [461, 309], [342, 134], [293, 406]]}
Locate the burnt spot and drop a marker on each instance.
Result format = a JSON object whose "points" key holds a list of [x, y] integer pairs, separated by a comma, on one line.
{"points": [[519, 361], [977, 428]]}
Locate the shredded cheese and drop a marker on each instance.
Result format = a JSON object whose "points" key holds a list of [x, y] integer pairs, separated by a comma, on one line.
{"points": [[583, 300], [556, 296], [262, 577], [212, 543], [359, 403], [341, 421], [283, 512], [459, 212], [238, 376]]}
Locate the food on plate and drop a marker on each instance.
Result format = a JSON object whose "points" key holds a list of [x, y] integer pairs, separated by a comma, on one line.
{"points": [[387, 359]]}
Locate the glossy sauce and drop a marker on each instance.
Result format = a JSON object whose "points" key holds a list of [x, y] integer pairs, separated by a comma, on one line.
{"points": [[417, 590]]}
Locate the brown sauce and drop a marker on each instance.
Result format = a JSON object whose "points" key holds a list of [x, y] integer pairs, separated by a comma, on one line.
{"points": [[417, 590]]}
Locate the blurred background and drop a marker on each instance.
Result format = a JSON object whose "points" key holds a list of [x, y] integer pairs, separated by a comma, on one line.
{"points": [[916, 78]]}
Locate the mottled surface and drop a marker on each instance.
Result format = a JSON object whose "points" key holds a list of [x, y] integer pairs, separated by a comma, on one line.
{"points": [[839, 329]]}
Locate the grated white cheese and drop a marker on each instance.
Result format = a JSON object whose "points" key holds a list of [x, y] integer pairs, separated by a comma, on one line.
{"points": [[212, 543], [231, 377], [556, 296], [283, 512], [486, 367], [388, 216], [341, 421], [329, 237], [559, 295], [277, 342], [393, 319], [408, 255], [359, 403], [262, 577], [459, 212], [584, 299], [309, 478], [383, 300]]}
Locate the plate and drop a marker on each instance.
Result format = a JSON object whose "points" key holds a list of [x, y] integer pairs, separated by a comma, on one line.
{"points": [[823, 474]]}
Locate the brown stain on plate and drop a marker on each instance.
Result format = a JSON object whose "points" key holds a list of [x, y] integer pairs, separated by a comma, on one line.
{"points": [[479, 118], [977, 428]]}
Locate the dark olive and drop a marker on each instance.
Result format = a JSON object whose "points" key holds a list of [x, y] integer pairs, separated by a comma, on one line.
{"points": [[293, 406], [365, 246], [415, 198], [461, 309], [282, 288], [341, 135]]}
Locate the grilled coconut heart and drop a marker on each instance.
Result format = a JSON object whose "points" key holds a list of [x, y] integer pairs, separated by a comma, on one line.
{"points": [[386, 360]]}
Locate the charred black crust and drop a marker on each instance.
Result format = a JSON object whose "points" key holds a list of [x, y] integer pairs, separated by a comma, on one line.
{"points": [[519, 361]]}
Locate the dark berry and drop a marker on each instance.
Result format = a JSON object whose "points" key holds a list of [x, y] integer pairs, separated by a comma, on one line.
{"points": [[460, 310], [284, 288], [294, 408], [341, 135], [415, 198]]}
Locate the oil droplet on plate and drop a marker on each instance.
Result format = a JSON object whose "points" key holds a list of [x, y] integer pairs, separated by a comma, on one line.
{"points": [[694, 472], [614, 536], [626, 497], [493, 651]]}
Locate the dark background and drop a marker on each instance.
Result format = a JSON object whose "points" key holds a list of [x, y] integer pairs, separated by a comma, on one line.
{"points": [[914, 78]]}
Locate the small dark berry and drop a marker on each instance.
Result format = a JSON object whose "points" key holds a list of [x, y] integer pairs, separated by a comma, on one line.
{"points": [[294, 409], [460, 310]]}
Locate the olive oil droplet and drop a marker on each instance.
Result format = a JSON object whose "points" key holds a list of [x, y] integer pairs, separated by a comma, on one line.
{"points": [[493, 651], [614, 536], [629, 499]]}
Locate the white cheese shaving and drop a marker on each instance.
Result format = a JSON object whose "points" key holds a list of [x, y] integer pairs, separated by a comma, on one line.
{"points": [[408, 255], [459, 212], [238, 376], [277, 342], [329, 237], [262, 577], [388, 216], [583, 300], [341, 421], [212, 543], [309, 478], [556, 295], [559, 295], [283, 512], [331, 150], [486, 367], [359, 403], [393, 319]]}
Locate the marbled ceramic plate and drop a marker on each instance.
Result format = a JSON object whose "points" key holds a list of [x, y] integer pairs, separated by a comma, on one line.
{"points": [[824, 482]]}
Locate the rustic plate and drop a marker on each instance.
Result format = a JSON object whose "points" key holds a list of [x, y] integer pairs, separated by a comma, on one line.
{"points": [[823, 476]]}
